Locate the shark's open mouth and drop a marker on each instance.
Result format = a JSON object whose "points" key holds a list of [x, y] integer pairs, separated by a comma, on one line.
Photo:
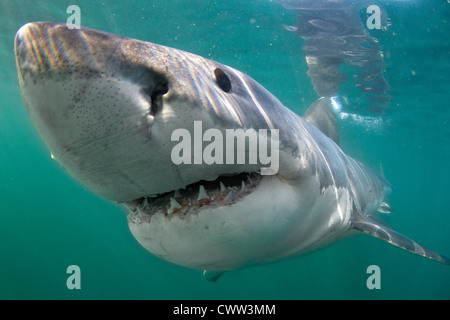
{"points": [[224, 190]]}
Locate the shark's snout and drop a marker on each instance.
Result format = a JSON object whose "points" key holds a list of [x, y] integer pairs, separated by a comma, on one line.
{"points": [[46, 47], [107, 107], [93, 98]]}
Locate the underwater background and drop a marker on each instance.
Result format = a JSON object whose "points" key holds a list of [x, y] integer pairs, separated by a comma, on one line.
{"points": [[48, 221]]}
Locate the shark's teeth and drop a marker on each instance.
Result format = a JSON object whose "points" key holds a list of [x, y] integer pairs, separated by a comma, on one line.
{"points": [[191, 199], [139, 211], [228, 198], [173, 205], [202, 193]]}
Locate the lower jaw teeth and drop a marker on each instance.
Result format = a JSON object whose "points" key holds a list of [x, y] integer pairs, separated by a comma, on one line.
{"points": [[202, 193], [186, 200], [228, 198], [173, 205]]}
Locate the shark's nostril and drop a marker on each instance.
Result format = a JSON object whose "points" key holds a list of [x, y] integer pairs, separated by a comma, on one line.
{"points": [[156, 96], [155, 93], [156, 104], [161, 89]]}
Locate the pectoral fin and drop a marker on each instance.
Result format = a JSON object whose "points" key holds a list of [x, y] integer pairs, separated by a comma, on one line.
{"points": [[212, 275], [386, 233]]}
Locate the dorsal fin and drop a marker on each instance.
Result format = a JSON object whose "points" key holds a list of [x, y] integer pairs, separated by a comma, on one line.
{"points": [[321, 115], [386, 233]]}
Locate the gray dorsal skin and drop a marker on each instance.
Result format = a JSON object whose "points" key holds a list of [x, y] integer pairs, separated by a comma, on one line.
{"points": [[108, 107]]}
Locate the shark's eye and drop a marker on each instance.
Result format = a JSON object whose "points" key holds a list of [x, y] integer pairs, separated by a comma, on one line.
{"points": [[222, 80]]}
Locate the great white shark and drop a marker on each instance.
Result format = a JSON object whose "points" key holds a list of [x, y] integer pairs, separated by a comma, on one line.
{"points": [[106, 106]]}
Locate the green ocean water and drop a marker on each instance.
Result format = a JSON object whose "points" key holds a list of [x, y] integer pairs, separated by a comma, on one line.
{"points": [[48, 221]]}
